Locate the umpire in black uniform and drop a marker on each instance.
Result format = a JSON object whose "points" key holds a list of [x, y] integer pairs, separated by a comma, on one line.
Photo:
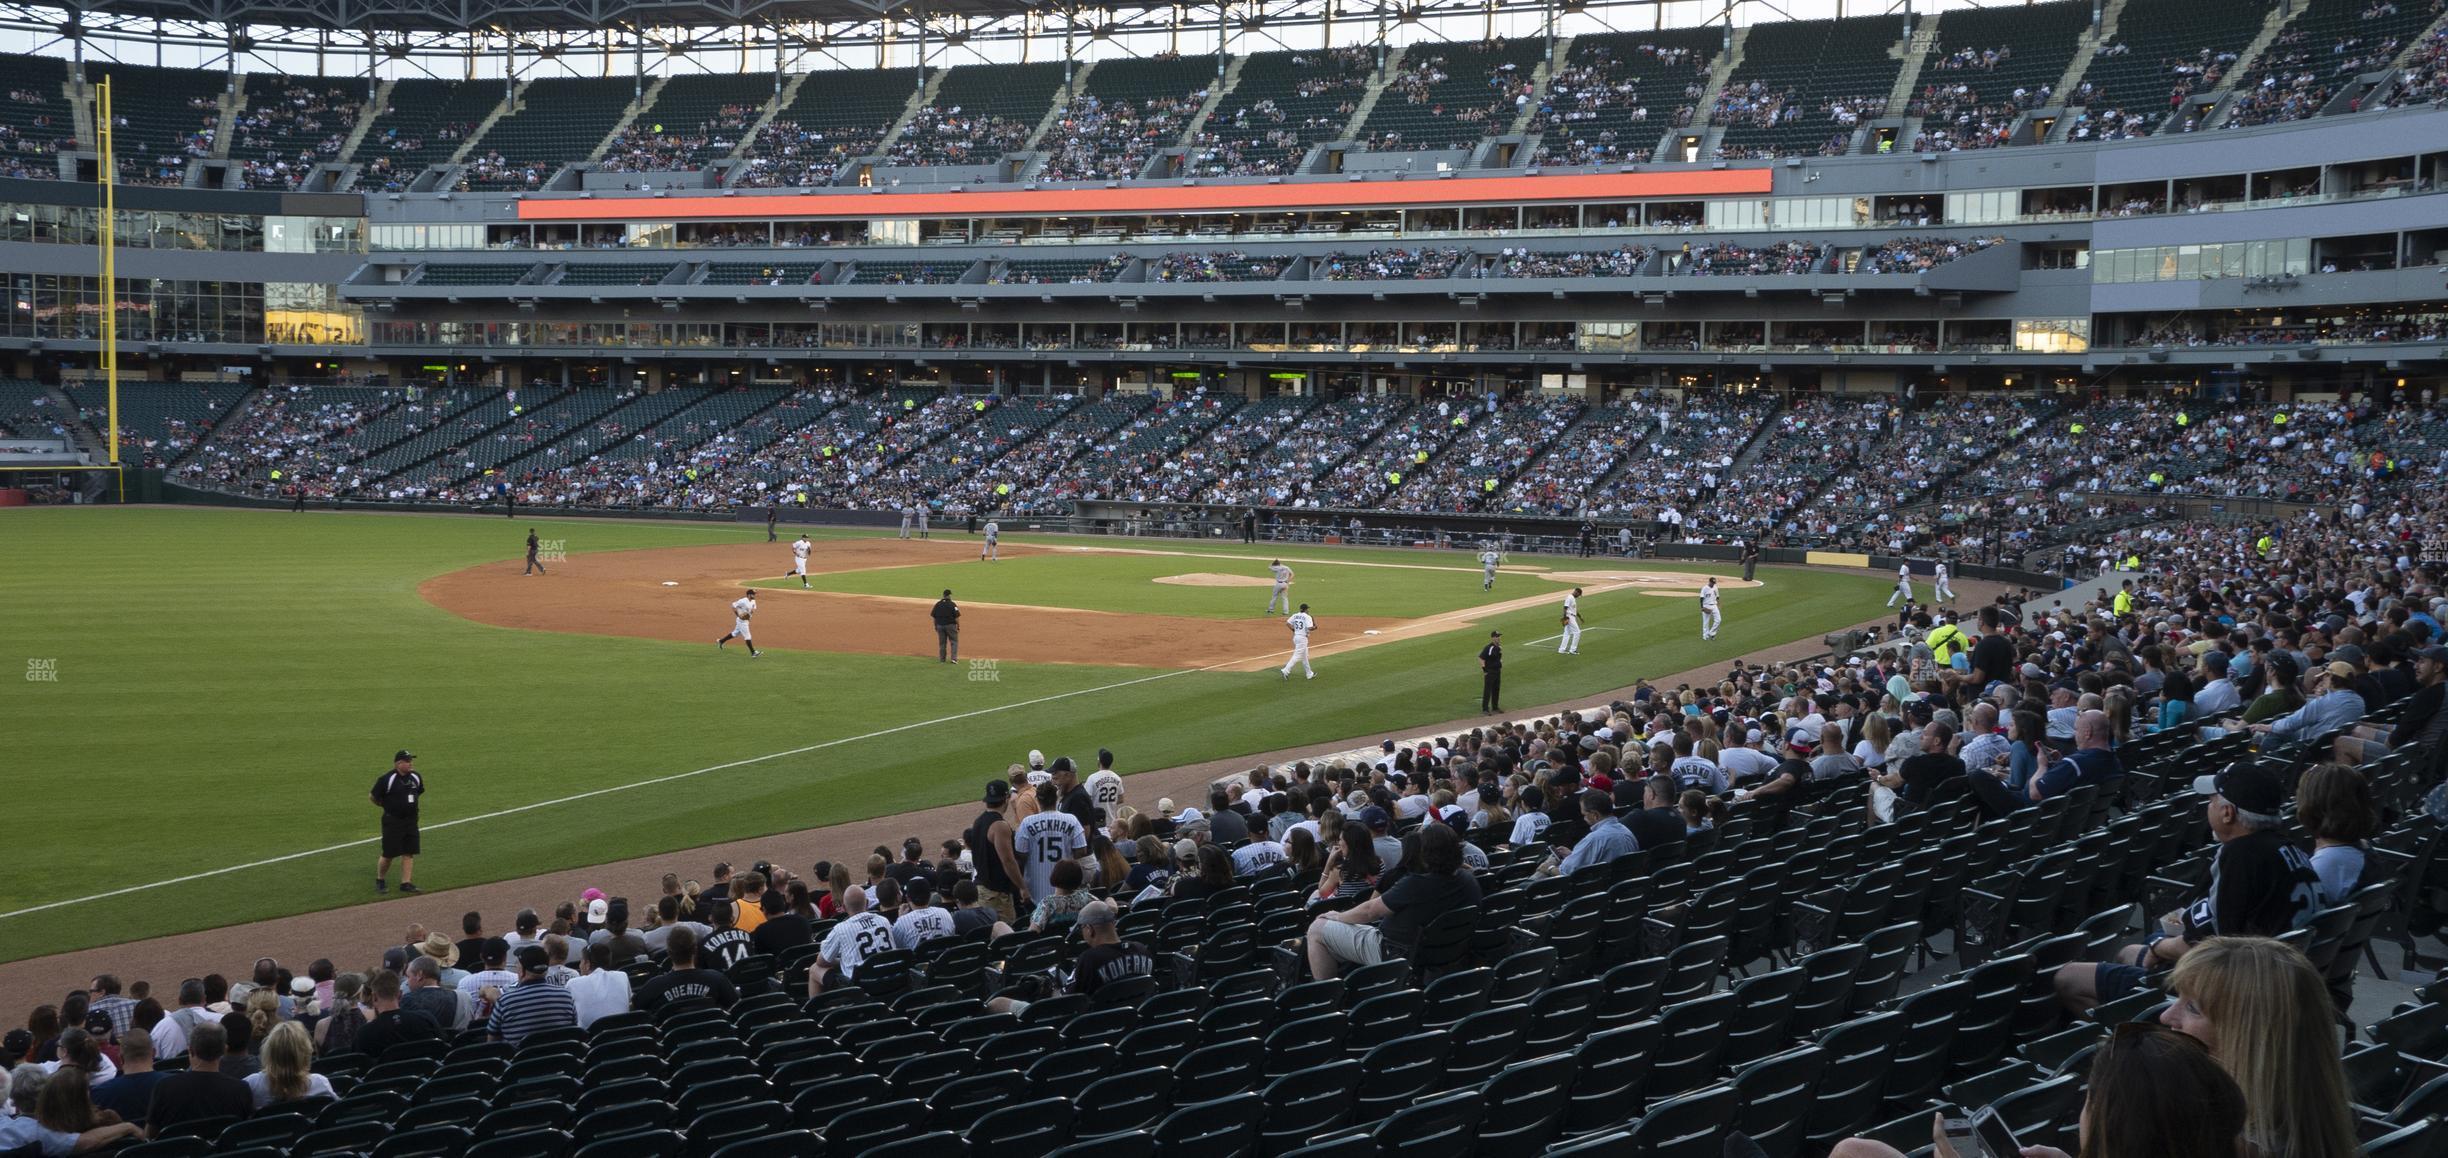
{"points": [[1491, 662], [947, 629], [397, 792]]}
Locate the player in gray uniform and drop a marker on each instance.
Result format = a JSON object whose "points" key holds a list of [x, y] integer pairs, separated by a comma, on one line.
{"points": [[1488, 559], [922, 520], [909, 514], [989, 551], [1283, 584]]}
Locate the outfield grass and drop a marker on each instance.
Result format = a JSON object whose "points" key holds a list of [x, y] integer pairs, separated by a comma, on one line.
{"points": [[228, 683]]}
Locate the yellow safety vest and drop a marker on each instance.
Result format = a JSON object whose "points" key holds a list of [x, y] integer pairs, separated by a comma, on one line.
{"points": [[2123, 603]]}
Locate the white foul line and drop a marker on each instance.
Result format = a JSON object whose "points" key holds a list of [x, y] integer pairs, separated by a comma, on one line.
{"points": [[647, 783]]}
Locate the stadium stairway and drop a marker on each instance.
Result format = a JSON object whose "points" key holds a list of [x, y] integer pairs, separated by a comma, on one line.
{"points": [[639, 104], [1539, 78], [233, 102], [484, 127], [1749, 455], [73, 92], [1376, 88], [365, 119], [1719, 73], [87, 439], [919, 101], [765, 116], [1062, 101], [2101, 32], [1216, 93], [1908, 78]]}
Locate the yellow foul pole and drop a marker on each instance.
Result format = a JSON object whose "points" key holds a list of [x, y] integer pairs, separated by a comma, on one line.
{"points": [[110, 265]]}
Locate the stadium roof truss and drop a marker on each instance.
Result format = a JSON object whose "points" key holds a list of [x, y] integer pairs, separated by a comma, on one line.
{"points": [[534, 36]]}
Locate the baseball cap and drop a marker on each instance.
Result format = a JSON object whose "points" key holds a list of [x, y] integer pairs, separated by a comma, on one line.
{"points": [[997, 791], [1602, 782], [532, 959], [2434, 654], [591, 895], [2033, 671], [2341, 671], [1164, 806], [1036, 759], [597, 909], [2251, 788], [98, 1021], [1375, 817], [402, 754], [2350, 653], [17, 1044]]}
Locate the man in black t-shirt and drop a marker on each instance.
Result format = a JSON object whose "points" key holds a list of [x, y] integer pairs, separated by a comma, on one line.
{"points": [[391, 1025], [1657, 822], [203, 1091], [2261, 885], [991, 854], [1108, 958], [397, 792], [1993, 658], [1920, 774], [782, 928], [1388, 925], [685, 978]]}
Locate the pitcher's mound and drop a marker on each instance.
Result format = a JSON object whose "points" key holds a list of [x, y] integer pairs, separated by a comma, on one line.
{"points": [[1216, 579]]}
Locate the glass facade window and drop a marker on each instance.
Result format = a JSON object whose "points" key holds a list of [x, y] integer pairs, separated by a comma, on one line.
{"points": [[1822, 212], [405, 237], [2149, 263], [2052, 335], [1731, 214], [1983, 207], [313, 235]]}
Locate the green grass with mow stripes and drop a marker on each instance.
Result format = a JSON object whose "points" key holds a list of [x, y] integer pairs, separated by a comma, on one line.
{"points": [[226, 684]]}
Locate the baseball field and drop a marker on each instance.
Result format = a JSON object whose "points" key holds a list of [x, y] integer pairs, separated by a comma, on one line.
{"points": [[206, 695]]}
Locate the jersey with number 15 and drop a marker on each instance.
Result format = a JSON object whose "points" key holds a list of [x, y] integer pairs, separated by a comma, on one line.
{"points": [[1043, 841]]}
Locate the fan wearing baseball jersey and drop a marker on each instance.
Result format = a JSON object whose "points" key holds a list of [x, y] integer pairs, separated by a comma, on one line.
{"points": [[1301, 625], [743, 609]]}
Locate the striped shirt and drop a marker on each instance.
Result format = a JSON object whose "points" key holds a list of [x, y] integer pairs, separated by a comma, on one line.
{"points": [[532, 1007]]}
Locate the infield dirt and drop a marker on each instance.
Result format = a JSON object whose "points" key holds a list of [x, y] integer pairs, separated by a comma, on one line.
{"points": [[684, 594]]}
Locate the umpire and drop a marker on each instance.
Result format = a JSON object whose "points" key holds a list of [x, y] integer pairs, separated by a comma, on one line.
{"points": [[1491, 663], [947, 629], [396, 792]]}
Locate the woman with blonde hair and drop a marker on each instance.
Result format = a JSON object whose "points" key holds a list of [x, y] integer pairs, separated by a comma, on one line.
{"points": [[288, 1068], [262, 1013], [2266, 1015]]}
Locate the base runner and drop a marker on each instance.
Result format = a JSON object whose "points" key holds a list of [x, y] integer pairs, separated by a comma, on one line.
{"points": [[1488, 560]]}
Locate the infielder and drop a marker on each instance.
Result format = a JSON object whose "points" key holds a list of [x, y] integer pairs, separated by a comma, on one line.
{"points": [[988, 551], [909, 514], [1283, 584], [799, 552], [1903, 589], [1570, 642], [1301, 625], [1488, 559], [1945, 593], [743, 609], [922, 520], [1710, 617]]}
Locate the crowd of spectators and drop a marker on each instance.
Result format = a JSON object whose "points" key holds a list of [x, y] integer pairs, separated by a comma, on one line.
{"points": [[1261, 138], [952, 136], [1419, 83], [295, 130], [1281, 460], [28, 154], [1398, 263], [1401, 448], [1140, 459], [1495, 444], [1729, 260], [648, 147], [311, 438], [1100, 140], [1916, 254], [2424, 79], [1217, 266], [168, 165], [1600, 87], [491, 170], [1690, 445], [1511, 261]]}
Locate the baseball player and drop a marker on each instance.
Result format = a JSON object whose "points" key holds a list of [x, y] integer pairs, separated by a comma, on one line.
{"points": [[909, 514], [743, 609], [1903, 589], [1301, 625], [1488, 559], [799, 552], [1570, 642], [922, 520], [1945, 592], [989, 551], [1710, 617], [1283, 581], [535, 565]]}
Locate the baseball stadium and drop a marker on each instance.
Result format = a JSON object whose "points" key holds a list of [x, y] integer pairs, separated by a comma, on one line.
{"points": [[1772, 581]]}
